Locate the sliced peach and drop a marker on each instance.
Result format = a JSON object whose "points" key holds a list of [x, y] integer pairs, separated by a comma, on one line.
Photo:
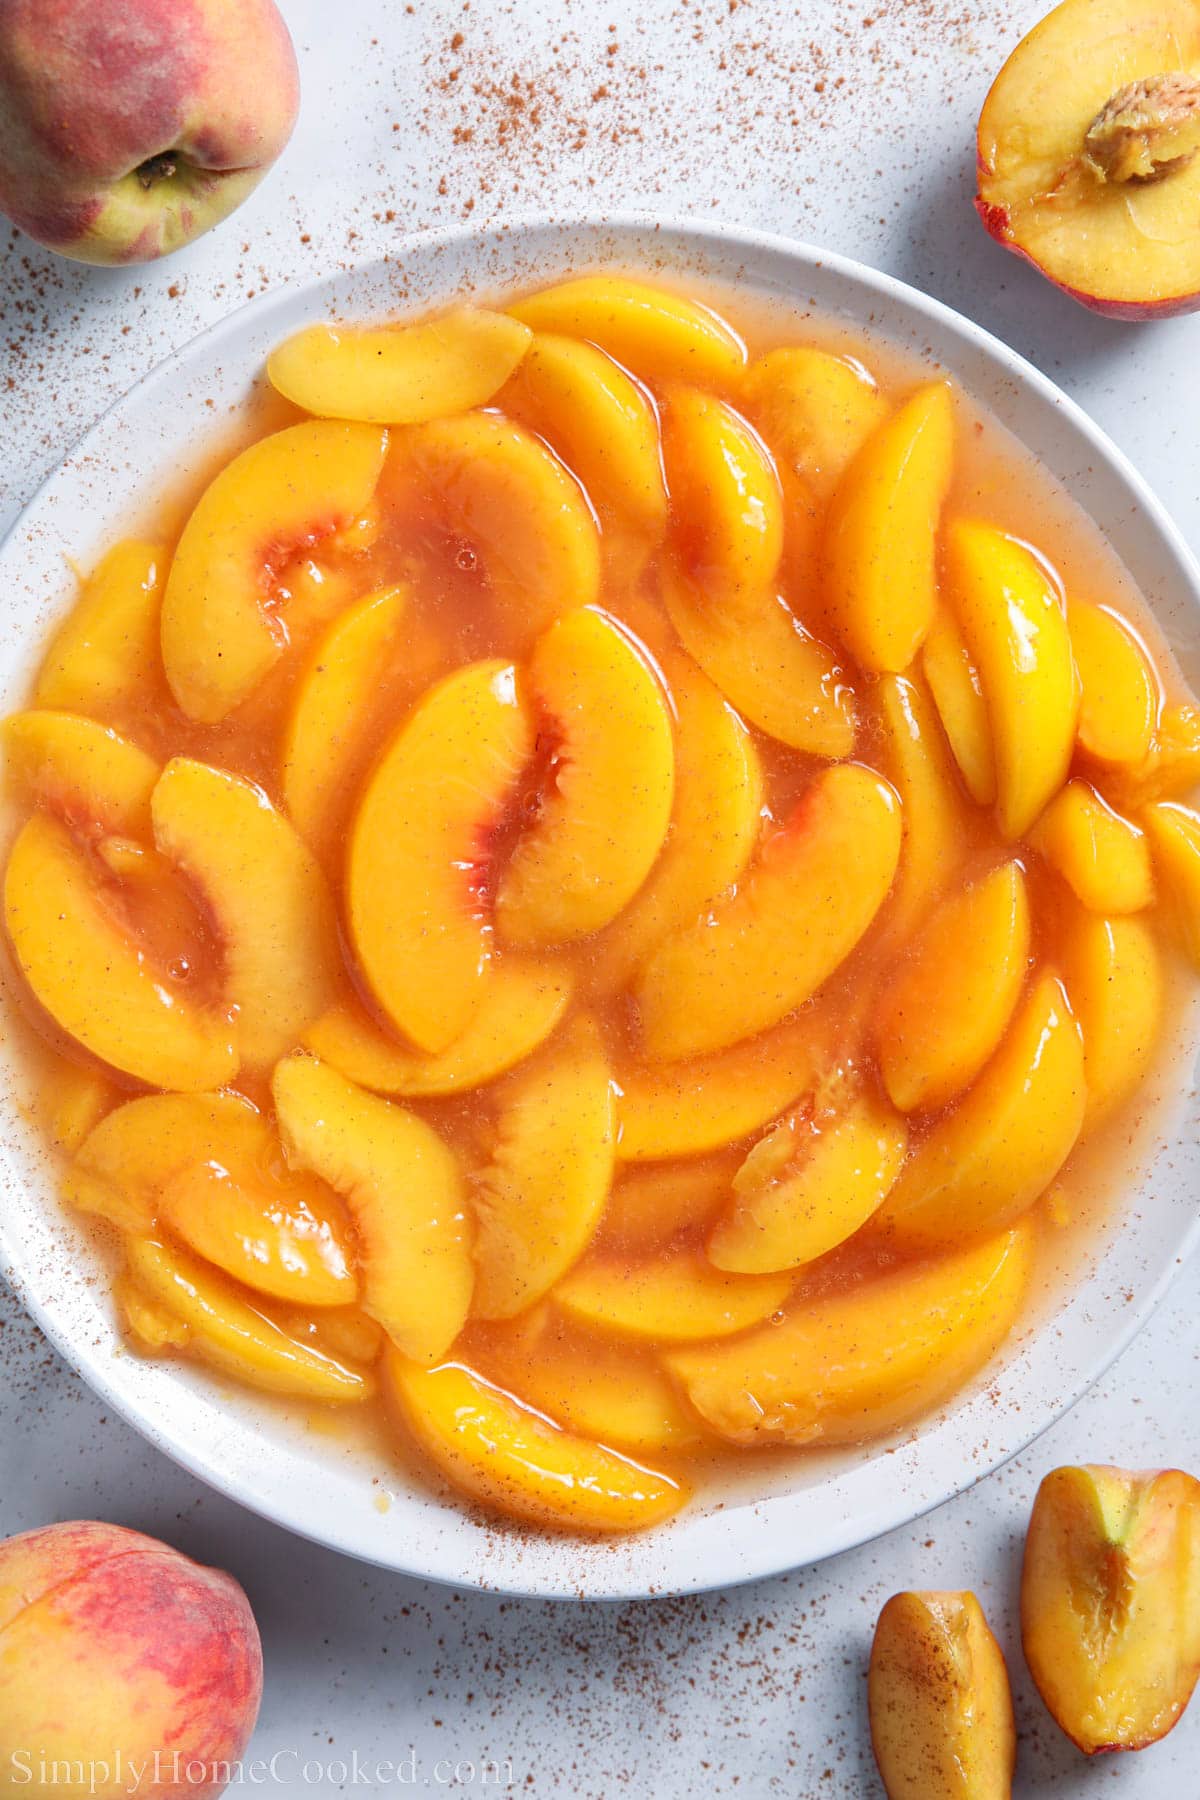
{"points": [[814, 409], [847, 1365], [1102, 856], [105, 653], [267, 894], [417, 866], [287, 491], [940, 1705], [1116, 984], [675, 1299], [942, 1015], [323, 735], [1171, 766], [346, 1332], [989, 1159], [655, 333], [648, 1208], [726, 502], [541, 1194], [809, 1185], [522, 1004], [604, 812], [814, 890], [124, 1164], [936, 819], [1016, 632], [226, 1331], [880, 579], [155, 1331], [405, 1194], [399, 374], [506, 1456], [93, 977], [958, 695], [75, 1101], [1174, 834], [85, 771], [1119, 691], [1110, 1602]]}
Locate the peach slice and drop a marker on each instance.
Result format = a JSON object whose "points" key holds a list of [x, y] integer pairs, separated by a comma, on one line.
{"points": [[1174, 834], [540, 1196], [809, 1185], [1119, 691], [95, 778], [675, 1299], [1171, 766], [988, 1160], [1103, 857], [649, 1208], [522, 1004], [399, 374], [726, 502], [504, 1455], [1087, 154], [655, 333], [1110, 1602], [323, 735], [936, 819], [93, 977], [123, 1165], [267, 894], [229, 1333], [604, 812], [342, 1331], [405, 1194], [417, 865], [105, 654], [942, 1014], [1116, 984], [880, 580], [75, 1102], [846, 1365], [958, 695], [287, 491], [814, 409], [817, 884], [1016, 632], [154, 1330], [940, 1705]]}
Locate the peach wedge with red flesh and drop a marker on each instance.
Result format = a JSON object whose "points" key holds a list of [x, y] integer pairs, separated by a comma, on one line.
{"points": [[814, 409], [844, 1366], [91, 974], [285, 493], [676, 1299], [266, 893], [123, 1165], [1174, 834], [1104, 858], [936, 816], [813, 892], [940, 1705], [1115, 981], [603, 815], [1119, 690], [958, 695], [649, 330], [94, 778], [105, 655], [418, 862], [399, 374], [506, 1456], [405, 1193], [1110, 1602], [726, 502]]}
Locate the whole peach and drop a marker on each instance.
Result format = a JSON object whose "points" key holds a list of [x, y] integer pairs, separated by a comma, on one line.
{"points": [[121, 1661], [128, 127]]}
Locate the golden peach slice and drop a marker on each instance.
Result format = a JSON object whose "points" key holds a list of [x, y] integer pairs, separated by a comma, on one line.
{"points": [[286, 492], [814, 409], [940, 1705], [942, 1015], [405, 1194], [880, 578], [958, 695], [1015, 629], [846, 1365], [399, 374], [267, 894], [1110, 1602], [346, 1332], [655, 333], [1103, 857], [228, 1332], [539, 1199], [809, 1185], [605, 808], [812, 893], [1116, 984], [522, 1004], [1174, 834], [324, 733], [988, 1160], [726, 502], [1120, 696], [75, 1101], [123, 1166], [936, 818], [105, 654], [650, 1207], [676, 1299], [505, 1455], [89, 774], [154, 1330], [418, 862], [1171, 766], [92, 975]]}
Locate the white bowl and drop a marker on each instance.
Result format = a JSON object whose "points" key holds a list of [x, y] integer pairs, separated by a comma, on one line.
{"points": [[780, 1514]]}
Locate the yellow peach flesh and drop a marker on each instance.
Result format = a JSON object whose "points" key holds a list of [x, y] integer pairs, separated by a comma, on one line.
{"points": [[653, 332]]}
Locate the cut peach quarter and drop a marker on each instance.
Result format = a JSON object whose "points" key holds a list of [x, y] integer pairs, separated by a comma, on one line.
{"points": [[86, 772], [105, 655], [727, 504], [659, 335], [815, 410], [1103, 857], [1120, 696], [1113, 970]]}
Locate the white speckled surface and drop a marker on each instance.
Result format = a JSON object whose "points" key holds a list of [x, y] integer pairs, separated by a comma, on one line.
{"points": [[848, 125]]}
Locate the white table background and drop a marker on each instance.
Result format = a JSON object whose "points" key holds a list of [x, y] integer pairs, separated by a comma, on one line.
{"points": [[846, 122]]}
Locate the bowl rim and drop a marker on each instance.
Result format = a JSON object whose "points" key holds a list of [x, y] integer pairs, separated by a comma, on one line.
{"points": [[775, 1552]]}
